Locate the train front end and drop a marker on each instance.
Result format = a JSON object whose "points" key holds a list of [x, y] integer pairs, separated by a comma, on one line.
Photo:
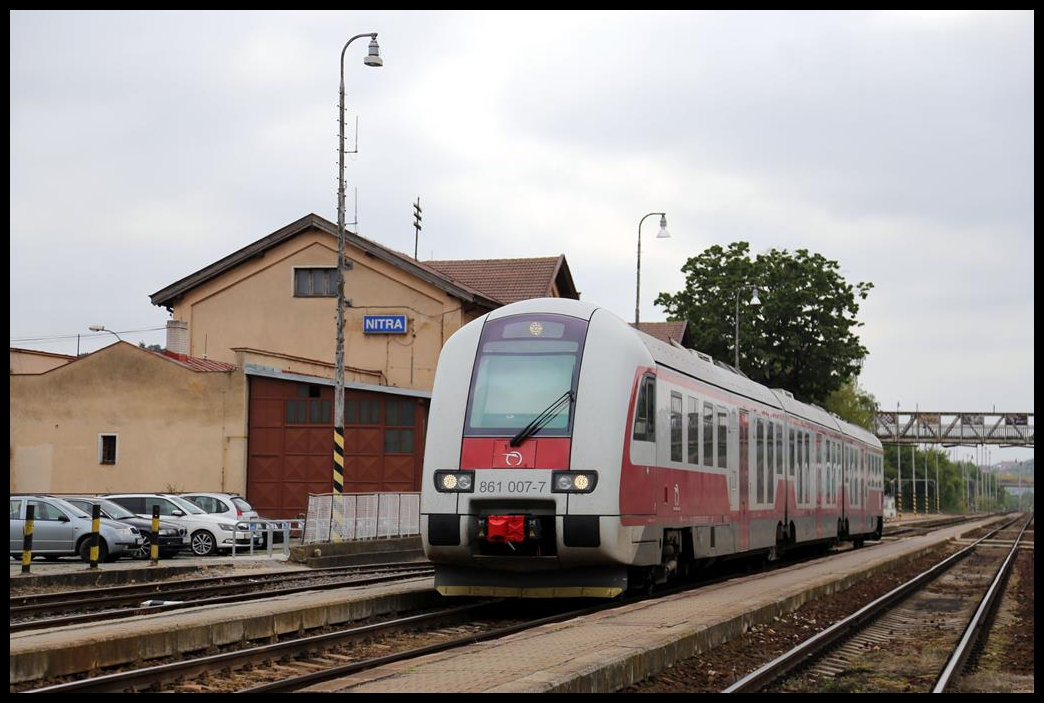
{"points": [[511, 504]]}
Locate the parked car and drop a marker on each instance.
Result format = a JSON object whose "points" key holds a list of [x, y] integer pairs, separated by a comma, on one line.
{"points": [[235, 507], [173, 537], [62, 529], [208, 534]]}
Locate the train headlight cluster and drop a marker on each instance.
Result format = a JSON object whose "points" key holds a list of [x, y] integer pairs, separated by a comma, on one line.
{"points": [[573, 481], [454, 481]]}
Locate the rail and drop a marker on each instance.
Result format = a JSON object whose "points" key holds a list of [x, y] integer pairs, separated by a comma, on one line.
{"points": [[979, 621]]}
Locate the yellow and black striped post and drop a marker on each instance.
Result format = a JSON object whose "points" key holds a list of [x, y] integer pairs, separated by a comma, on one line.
{"points": [[336, 500], [95, 528], [338, 468], [154, 540], [27, 537]]}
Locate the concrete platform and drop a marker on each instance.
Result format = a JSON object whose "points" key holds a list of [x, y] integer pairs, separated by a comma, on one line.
{"points": [[80, 648], [605, 653]]}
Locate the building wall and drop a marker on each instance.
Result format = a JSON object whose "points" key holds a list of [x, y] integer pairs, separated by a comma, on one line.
{"points": [[253, 307], [30, 361], [177, 429]]}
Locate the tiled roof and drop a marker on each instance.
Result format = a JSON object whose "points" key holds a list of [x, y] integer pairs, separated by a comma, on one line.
{"points": [[485, 283], [194, 363], [168, 297], [506, 280], [664, 331]]}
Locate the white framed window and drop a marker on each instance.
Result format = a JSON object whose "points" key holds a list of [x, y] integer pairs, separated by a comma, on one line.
{"points": [[107, 447]]}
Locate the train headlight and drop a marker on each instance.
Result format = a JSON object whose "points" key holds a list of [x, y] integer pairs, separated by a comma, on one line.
{"points": [[454, 481], [573, 481]]}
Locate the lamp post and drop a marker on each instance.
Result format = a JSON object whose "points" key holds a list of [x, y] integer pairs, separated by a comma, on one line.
{"points": [[373, 58], [754, 301], [662, 234], [103, 328]]}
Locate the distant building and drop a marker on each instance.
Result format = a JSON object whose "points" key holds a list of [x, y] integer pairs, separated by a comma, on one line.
{"points": [[673, 331]]}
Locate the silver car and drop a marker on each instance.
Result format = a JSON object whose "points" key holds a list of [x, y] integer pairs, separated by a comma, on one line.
{"points": [[208, 534], [61, 529]]}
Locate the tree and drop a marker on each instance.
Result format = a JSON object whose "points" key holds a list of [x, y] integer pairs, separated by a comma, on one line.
{"points": [[800, 338], [852, 404]]}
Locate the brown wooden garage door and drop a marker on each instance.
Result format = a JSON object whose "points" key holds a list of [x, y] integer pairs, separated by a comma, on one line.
{"points": [[290, 443]]}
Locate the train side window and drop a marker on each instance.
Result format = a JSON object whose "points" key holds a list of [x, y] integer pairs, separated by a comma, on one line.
{"points": [[790, 469], [798, 471], [770, 469], [694, 432], [708, 434], [723, 438], [645, 411], [827, 498], [676, 427], [808, 466], [819, 466], [759, 459], [779, 449]]}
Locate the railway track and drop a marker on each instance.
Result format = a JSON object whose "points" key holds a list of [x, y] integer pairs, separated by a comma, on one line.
{"points": [[904, 639], [299, 662], [81, 606]]}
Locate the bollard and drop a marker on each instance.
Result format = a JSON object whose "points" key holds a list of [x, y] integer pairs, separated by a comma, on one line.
{"points": [[154, 546], [95, 528], [27, 537]]}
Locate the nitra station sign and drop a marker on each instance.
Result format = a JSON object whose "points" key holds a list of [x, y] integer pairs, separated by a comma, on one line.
{"points": [[384, 324]]}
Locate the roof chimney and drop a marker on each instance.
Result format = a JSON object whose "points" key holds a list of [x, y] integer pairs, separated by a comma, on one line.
{"points": [[177, 338]]}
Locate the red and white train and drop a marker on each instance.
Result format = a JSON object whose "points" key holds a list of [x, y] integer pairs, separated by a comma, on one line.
{"points": [[569, 454]]}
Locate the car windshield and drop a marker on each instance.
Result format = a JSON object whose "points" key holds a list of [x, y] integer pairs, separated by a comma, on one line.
{"points": [[188, 506], [242, 504], [115, 510], [69, 507]]}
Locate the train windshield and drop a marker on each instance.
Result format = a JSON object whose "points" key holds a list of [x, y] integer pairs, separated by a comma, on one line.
{"points": [[525, 364]]}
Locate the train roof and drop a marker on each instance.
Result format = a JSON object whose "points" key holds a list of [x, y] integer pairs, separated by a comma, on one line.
{"points": [[705, 368], [725, 376], [697, 364]]}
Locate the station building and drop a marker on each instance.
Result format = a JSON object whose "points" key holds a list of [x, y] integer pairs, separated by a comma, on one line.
{"points": [[241, 398]]}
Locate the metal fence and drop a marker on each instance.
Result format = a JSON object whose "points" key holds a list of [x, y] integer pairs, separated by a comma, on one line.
{"points": [[280, 532], [357, 516]]}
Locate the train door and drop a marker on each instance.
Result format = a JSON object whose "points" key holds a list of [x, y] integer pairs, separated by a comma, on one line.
{"points": [[744, 480]]}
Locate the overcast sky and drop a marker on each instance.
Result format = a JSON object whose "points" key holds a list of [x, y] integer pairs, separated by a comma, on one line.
{"points": [[147, 145]]}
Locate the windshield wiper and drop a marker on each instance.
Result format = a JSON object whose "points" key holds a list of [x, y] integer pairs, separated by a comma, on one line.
{"points": [[543, 418]]}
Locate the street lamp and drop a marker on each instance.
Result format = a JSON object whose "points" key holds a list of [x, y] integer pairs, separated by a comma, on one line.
{"points": [[662, 234], [102, 328], [755, 302], [373, 58]]}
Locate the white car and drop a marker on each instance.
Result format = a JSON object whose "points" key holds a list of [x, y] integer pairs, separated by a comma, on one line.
{"points": [[208, 534], [235, 507]]}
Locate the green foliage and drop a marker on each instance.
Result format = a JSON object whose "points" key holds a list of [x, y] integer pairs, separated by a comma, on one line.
{"points": [[800, 338], [962, 485], [852, 404]]}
